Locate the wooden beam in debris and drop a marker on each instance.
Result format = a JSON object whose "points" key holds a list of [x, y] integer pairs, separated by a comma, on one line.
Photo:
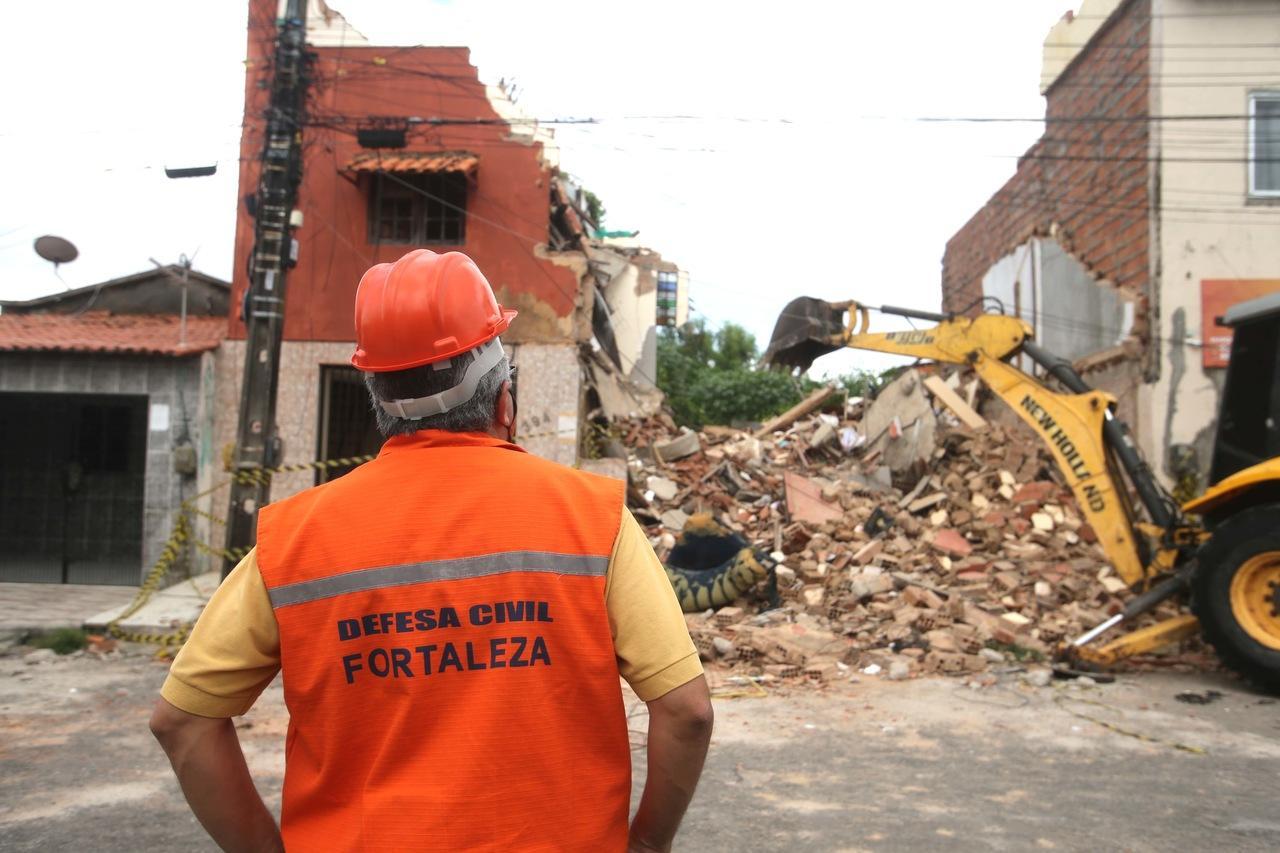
{"points": [[807, 406], [952, 401]]}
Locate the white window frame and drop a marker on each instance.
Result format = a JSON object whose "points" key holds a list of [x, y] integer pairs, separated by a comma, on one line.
{"points": [[1254, 98]]}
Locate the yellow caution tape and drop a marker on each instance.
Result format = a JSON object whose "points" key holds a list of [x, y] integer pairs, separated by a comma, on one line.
{"points": [[233, 555], [181, 535], [168, 556]]}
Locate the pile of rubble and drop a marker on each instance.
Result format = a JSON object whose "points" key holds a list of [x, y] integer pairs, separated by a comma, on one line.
{"points": [[907, 540]]}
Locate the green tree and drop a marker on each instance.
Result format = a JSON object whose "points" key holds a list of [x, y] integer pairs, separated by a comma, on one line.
{"points": [[595, 208], [735, 348], [865, 383], [710, 377], [744, 395]]}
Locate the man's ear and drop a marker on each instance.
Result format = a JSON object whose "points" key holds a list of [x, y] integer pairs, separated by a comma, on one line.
{"points": [[505, 412]]}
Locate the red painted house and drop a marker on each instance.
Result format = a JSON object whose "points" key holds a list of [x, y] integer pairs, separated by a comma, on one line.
{"points": [[464, 171]]}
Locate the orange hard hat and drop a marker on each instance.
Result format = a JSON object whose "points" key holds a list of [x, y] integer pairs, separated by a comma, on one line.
{"points": [[424, 308]]}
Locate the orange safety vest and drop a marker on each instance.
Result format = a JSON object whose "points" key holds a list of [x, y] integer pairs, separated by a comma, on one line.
{"points": [[447, 658]]}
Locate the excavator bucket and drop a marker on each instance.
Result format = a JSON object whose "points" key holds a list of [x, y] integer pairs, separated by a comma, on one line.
{"points": [[805, 331]]}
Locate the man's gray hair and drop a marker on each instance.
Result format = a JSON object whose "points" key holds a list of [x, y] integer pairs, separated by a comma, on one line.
{"points": [[475, 415]]}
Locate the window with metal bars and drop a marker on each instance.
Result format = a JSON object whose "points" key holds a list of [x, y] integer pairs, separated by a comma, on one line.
{"points": [[418, 209]]}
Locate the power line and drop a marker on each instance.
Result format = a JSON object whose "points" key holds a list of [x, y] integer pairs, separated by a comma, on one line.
{"points": [[1087, 119], [334, 120], [1128, 46], [1158, 16], [1102, 158]]}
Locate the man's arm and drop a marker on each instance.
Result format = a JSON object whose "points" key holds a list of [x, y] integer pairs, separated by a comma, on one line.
{"points": [[206, 756], [679, 732]]}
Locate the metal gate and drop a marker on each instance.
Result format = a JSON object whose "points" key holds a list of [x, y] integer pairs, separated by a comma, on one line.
{"points": [[347, 425], [71, 487]]}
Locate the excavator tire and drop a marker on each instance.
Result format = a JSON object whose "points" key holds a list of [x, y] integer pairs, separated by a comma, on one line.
{"points": [[1235, 593]]}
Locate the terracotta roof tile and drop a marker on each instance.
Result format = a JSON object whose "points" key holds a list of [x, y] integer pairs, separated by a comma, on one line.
{"points": [[99, 331], [413, 161]]}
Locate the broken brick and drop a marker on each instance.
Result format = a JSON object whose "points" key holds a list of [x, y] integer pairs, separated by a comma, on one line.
{"points": [[950, 542], [1036, 493]]}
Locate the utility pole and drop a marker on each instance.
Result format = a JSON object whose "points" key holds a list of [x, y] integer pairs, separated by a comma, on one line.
{"points": [[264, 302]]}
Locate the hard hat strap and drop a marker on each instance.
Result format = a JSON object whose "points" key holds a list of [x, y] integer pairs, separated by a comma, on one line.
{"points": [[486, 358]]}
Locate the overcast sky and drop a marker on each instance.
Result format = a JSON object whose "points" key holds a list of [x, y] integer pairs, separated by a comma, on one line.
{"points": [[803, 169]]}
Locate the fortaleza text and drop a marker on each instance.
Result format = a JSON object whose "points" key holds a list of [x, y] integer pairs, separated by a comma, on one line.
{"points": [[460, 656], [470, 656]]}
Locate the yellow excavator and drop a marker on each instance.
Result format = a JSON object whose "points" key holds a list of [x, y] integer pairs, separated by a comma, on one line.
{"points": [[1221, 550]]}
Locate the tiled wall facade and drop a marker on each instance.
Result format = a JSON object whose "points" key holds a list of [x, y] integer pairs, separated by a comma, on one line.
{"points": [[549, 404]]}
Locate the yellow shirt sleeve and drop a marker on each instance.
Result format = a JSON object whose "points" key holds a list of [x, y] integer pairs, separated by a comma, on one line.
{"points": [[233, 651], [650, 637]]}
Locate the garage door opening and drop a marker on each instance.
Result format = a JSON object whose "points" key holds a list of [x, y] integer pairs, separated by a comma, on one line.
{"points": [[71, 487]]}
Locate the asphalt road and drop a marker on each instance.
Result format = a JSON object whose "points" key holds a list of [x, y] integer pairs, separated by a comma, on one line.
{"points": [[918, 765]]}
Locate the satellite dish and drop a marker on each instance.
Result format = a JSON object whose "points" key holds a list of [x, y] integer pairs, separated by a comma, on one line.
{"points": [[56, 249]]}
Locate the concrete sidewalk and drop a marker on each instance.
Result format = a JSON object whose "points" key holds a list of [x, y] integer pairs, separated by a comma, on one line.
{"points": [[29, 607], [167, 608]]}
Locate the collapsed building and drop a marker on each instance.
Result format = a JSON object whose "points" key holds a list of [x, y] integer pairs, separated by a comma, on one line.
{"points": [[906, 535]]}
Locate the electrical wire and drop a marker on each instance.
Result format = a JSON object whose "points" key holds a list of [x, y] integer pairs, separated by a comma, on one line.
{"points": [[572, 298]]}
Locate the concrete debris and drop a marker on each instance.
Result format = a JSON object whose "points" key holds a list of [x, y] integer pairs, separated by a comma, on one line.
{"points": [[976, 556], [620, 397], [606, 467], [685, 444], [1112, 584], [674, 519], [901, 425], [1039, 677], [662, 488]]}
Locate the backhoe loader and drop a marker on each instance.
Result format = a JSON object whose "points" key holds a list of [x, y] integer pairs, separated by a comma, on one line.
{"points": [[1221, 551]]}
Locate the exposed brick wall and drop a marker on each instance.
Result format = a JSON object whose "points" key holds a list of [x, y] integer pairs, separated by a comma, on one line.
{"points": [[1084, 181]]}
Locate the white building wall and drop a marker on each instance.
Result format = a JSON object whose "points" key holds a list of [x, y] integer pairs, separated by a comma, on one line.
{"points": [[326, 27], [633, 304], [1071, 314], [1208, 227], [1069, 36]]}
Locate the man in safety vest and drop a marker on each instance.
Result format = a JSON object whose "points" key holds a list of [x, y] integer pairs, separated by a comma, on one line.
{"points": [[450, 621]]}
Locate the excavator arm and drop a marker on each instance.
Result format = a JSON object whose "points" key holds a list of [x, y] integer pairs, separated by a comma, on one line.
{"points": [[1086, 440]]}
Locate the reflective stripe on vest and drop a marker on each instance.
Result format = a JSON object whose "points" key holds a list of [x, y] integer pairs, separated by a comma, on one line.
{"points": [[438, 570], [446, 653]]}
